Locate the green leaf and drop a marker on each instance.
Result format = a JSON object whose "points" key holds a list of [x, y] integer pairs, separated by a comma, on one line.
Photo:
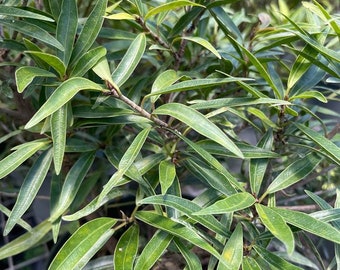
{"points": [[21, 13], [90, 30], [65, 92], [196, 84], [331, 149], [125, 162], [262, 116], [126, 249], [200, 123], [83, 244], [163, 80], [233, 250], [232, 203], [258, 167], [102, 69], [120, 16], [310, 94], [153, 250], [188, 208], [33, 31], [130, 60], [67, 28], [177, 229], [309, 224], [294, 173], [22, 153], [203, 42], [275, 261], [87, 61], [72, 183], [58, 123], [248, 263], [211, 161], [20, 221], [167, 173], [51, 60], [169, 6], [25, 75], [192, 260], [25, 241], [29, 189], [277, 226]]}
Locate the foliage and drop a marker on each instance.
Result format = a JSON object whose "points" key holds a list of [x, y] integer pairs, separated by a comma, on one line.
{"points": [[206, 118]]}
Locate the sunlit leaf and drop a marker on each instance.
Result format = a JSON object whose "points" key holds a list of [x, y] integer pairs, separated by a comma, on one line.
{"points": [[167, 173], [200, 123], [65, 92], [22, 13], [83, 244]]}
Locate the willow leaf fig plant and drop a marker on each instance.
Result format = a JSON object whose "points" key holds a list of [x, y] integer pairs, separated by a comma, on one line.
{"points": [[196, 134]]}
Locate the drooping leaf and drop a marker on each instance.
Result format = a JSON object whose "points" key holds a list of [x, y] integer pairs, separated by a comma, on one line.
{"points": [[25, 75], [153, 250], [233, 250], [67, 28], [58, 123], [22, 153], [89, 31], [188, 208], [232, 203], [65, 92], [309, 224], [83, 244], [200, 123], [203, 42], [310, 94], [277, 226], [192, 260], [177, 229], [294, 172], [167, 173], [169, 6], [25, 241], [33, 31], [332, 150], [126, 249], [72, 183], [22, 13], [130, 60], [274, 260], [29, 189]]}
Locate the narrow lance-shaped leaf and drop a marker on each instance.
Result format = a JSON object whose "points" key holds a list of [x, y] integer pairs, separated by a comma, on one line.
{"points": [[163, 80], [25, 75], [192, 260], [200, 123], [125, 162], [153, 250], [126, 249], [130, 60], [90, 30], [310, 224], [233, 251], [167, 173], [232, 203], [29, 189], [67, 28], [169, 6], [22, 13], [83, 244], [20, 222], [277, 226], [58, 124], [177, 229], [25, 241], [204, 43], [22, 153], [72, 183], [65, 92], [257, 167], [330, 148], [294, 172], [33, 31]]}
